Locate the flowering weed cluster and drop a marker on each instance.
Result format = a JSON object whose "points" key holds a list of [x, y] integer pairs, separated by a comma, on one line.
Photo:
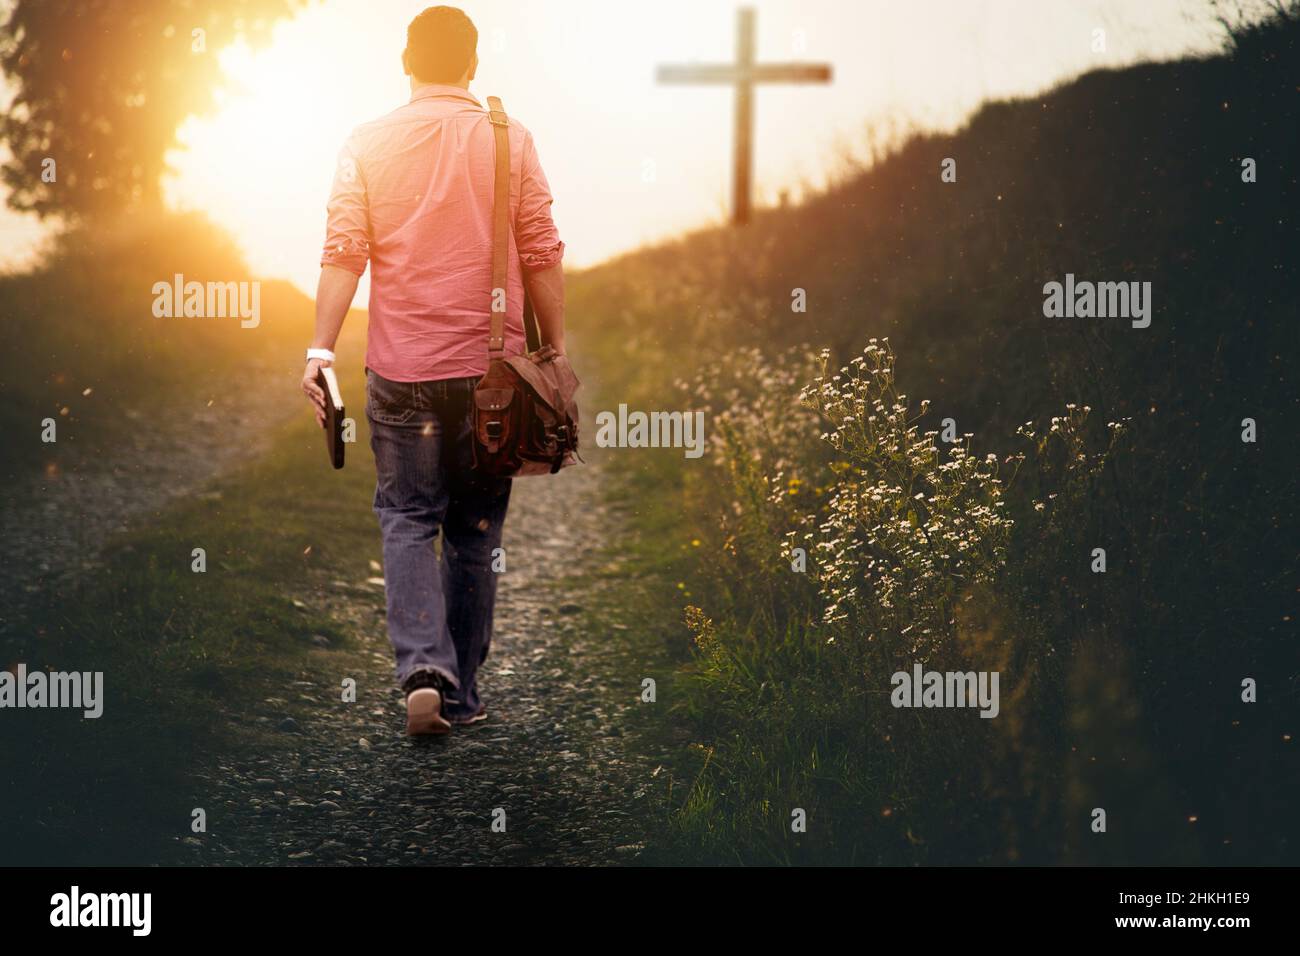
{"points": [[910, 523], [849, 539]]}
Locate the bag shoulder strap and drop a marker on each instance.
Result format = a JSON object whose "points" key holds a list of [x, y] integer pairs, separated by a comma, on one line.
{"points": [[500, 227]]}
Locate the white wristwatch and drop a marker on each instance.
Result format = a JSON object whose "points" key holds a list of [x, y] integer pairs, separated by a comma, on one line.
{"points": [[323, 354]]}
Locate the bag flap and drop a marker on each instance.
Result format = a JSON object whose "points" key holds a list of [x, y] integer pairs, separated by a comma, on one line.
{"points": [[551, 378], [493, 399]]}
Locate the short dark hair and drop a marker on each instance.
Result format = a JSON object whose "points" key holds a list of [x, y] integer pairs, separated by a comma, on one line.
{"points": [[440, 43]]}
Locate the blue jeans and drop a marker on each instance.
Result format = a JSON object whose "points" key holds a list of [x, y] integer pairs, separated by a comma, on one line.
{"points": [[439, 606]]}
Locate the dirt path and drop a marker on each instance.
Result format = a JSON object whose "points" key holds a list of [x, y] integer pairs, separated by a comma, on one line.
{"points": [[564, 753]]}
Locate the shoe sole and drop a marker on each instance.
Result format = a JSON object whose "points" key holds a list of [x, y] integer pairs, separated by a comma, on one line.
{"points": [[476, 719], [424, 713]]}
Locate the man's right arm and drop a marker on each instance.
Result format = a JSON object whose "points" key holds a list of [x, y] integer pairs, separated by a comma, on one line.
{"points": [[540, 248], [546, 292]]}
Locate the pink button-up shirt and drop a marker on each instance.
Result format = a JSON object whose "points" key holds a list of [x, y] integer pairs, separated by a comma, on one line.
{"points": [[413, 195]]}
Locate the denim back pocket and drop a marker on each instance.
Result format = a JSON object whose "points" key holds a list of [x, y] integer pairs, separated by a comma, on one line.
{"points": [[389, 403]]}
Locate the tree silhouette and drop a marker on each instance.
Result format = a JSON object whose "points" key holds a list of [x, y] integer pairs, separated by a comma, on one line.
{"points": [[100, 87]]}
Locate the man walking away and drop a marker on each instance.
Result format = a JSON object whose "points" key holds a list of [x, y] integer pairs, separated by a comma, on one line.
{"points": [[412, 196]]}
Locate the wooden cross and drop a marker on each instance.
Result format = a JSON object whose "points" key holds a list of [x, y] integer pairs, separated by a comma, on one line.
{"points": [[744, 73]]}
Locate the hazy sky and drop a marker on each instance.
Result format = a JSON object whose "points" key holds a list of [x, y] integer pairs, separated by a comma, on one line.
{"points": [[629, 161]]}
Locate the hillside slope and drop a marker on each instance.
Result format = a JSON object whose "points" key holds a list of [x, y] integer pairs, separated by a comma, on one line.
{"points": [[1133, 175]]}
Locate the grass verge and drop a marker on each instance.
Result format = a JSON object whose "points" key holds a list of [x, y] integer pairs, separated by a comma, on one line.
{"points": [[184, 654]]}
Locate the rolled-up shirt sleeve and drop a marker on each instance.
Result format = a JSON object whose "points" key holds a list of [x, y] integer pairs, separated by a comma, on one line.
{"points": [[535, 233], [347, 223]]}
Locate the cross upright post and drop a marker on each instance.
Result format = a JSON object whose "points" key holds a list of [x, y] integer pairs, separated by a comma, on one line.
{"points": [[743, 134]]}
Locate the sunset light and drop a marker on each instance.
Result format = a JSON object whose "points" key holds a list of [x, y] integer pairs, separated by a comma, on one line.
{"points": [[690, 436]]}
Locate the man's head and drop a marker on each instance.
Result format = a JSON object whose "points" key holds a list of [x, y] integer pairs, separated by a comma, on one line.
{"points": [[441, 47]]}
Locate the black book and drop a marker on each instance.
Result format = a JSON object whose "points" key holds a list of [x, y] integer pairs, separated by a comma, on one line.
{"points": [[329, 383]]}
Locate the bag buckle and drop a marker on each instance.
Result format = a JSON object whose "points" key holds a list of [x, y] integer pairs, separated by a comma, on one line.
{"points": [[494, 430]]}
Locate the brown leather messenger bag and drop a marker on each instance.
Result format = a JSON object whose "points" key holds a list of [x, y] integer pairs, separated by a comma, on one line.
{"points": [[525, 416]]}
